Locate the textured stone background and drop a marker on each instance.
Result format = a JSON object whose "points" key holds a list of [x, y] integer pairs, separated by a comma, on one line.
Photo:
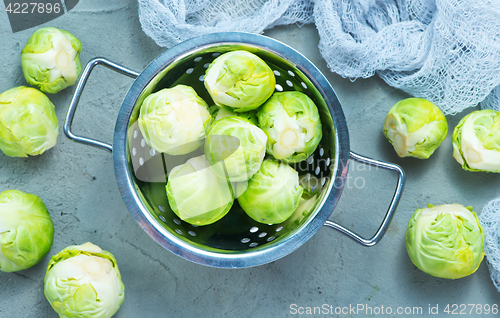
{"points": [[78, 185]]}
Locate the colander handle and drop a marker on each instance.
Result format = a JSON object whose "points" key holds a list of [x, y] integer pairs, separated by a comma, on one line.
{"points": [[390, 211], [76, 97]]}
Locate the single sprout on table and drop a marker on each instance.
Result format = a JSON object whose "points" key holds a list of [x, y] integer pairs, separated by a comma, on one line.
{"points": [[26, 230], [292, 124], [273, 193], [174, 120], [415, 127], [240, 80], [84, 281], [238, 144], [28, 122], [50, 59], [476, 141], [445, 241], [198, 195]]}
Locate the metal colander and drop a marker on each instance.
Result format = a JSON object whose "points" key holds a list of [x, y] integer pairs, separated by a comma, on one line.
{"points": [[236, 240]]}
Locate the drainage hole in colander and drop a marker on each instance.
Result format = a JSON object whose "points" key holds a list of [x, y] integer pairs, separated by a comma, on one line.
{"points": [[270, 238], [152, 152], [289, 83], [323, 181], [261, 235], [279, 88], [291, 73], [189, 70], [161, 208], [198, 59], [254, 229], [307, 177], [161, 217], [194, 225], [304, 85], [317, 171], [321, 152], [177, 221], [178, 231], [313, 187], [245, 240], [141, 161], [277, 73], [191, 233], [310, 160], [279, 229], [215, 54], [254, 244], [202, 78], [135, 133], [143, 143], [206, 65], [134, 151], [327, 162]]}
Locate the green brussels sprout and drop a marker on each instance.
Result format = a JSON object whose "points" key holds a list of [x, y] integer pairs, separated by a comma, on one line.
{"points": [[240, 80], [292, 125], [219, 112], [273, 193], [26, 230], [445, 241], [239, 144], [28, 122], [50, 59], [84, 281], [174, 120], [415, 127], [198, 195], [476, 141]]}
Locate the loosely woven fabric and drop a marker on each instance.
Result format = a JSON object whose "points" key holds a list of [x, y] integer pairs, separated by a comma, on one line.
{"points": [[490, 220], [447, 51]]}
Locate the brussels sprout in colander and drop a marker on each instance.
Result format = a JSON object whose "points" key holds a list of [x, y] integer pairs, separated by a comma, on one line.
{"points": [[415, 127], [197, 194], [238, 144], [272, 194], [476, 141], [292, 124], [239, 80], [50, 59], [28, 122], [174, 120], [219, 112], [445, 241]]}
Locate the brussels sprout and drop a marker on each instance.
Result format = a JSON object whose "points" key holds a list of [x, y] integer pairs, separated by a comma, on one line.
{"points": [[26, 230], [292, 125], [174, 120], [198, 195], [219, 112], [28, 122], [84, 281], [476, 141], [445, 241], [240, 80], [273, 193], [50, 59], [239, 144], [415, 127]]}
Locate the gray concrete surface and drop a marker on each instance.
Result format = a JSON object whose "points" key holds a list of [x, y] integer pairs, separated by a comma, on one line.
{"points": [[78, 186]]}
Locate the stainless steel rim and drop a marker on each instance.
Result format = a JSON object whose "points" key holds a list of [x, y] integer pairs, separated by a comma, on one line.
{"points": [[228, 259]]}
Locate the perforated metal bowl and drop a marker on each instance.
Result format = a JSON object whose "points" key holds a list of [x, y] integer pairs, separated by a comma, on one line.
{"points": [[236, 240]]}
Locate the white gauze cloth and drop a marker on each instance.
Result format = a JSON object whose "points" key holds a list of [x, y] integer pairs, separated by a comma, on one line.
{"points": [[490, 220], [447, 51]]}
